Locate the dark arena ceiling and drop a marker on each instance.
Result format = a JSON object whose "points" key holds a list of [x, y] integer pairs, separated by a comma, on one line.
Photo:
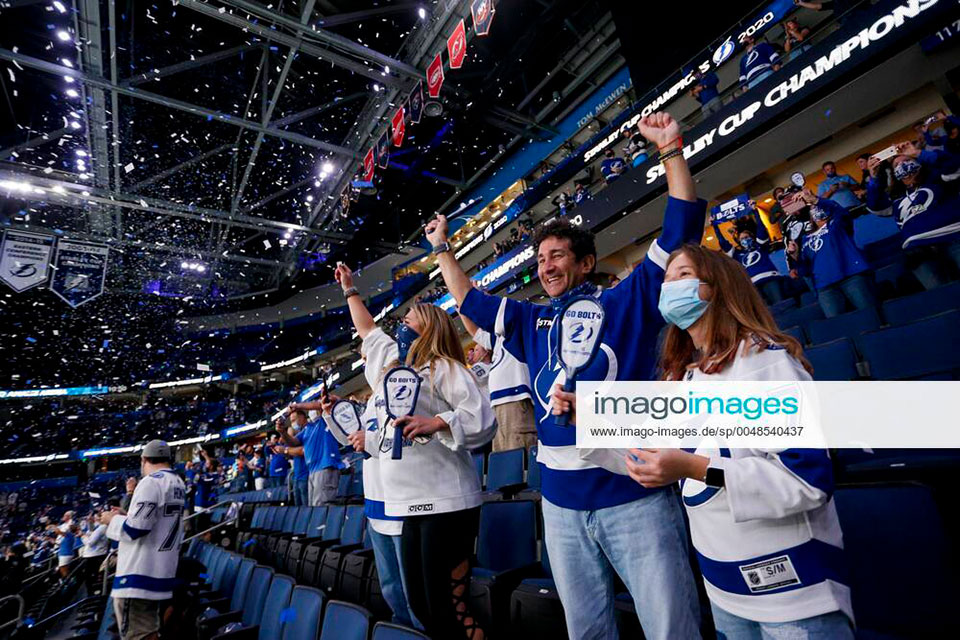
{"points": [[221, 135]]}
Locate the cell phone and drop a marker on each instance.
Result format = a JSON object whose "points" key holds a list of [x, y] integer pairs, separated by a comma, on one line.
{"points": [[886, 154], [792, 203]]}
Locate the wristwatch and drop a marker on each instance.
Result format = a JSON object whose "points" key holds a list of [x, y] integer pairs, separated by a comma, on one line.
{"points": [[714, 477], [440, 248], [352, 291]]}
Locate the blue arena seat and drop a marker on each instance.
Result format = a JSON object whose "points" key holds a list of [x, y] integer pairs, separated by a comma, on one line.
{"points": [[306, 605], [834, 360], [922, 305], [535, 607], [894, 536], [922, 349], [351, 539], [478, 463], [390, 631], [802, 316], [250, 608], [505, 468], [533, 469], [345, 621], [796, 331], [783, 305], [502, 561], [271, 620], [846, 325]]}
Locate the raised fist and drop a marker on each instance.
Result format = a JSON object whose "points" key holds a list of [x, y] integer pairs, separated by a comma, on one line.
{"points": [[661, 129], [343, 276], [436, 230]]}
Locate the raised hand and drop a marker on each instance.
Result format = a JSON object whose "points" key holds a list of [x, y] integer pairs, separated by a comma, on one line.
{"points": [[436, 230], [872, 165], [661, 129], [343, 276], [908, 149]]}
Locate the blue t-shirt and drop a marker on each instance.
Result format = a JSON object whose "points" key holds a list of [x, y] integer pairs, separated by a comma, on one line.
{"points": [[67, 544], [843, 196], [627, 352], [708, 87], [320, 449], [206, 489], [300, 468], [610, 166], [278, 464]]}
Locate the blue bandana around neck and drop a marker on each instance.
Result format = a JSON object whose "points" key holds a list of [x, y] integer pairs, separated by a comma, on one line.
{"points": [[404, 336], [585, 288]]}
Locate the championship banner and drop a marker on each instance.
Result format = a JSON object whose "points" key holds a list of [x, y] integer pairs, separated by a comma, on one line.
{"points": [[369, 165], [383, 151], [416, 102], [482, 11], [457, 46], [730, 210], [435, 77], [25, 259], [398, 127], [79, 271]]}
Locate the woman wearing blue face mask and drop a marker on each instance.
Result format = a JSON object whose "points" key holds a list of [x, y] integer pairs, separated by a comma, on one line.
{"points": [[434, 485], [762, 521], [753, 252], [831, 259]]}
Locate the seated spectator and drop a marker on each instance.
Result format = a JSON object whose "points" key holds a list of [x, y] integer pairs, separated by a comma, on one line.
{"points": [[831, 259], [758, 63], [612, 166], [928, 213], [795, 36], [706, 92], [753, 252], [839, 188]]}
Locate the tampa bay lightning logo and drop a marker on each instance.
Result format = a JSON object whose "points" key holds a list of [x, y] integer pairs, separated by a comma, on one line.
{"points": [[752, 57], [24, 270], [915, 204], [750, 259], [604, 366], [725, 51], [695, 492], [578, 337], [403, 392], [499, 353]]}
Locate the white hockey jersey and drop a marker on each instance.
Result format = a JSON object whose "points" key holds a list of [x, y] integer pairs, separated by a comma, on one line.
{"points": [[437, 476], [769, 542], [508, 378], [149, 536], [373, 505]]}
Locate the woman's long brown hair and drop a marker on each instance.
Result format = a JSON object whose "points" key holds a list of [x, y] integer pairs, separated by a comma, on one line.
{"points": [[736, 312]]}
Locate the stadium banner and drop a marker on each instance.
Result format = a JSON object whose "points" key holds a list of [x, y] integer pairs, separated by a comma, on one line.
{"points": [[416, 102], [863, 414], [25, 259], [457, 45], [435, 77], [398, 127], [497, 274], [864, 37], [482, 11], [383, 151], [369, 165], [730, 210], [80, 270]]}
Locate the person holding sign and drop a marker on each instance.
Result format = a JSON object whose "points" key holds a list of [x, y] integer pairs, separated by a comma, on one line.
{"points": [[753, 252], [599, 523], [763, 521], [431, 481]]}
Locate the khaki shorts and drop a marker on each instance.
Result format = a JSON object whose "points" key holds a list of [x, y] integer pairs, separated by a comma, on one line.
{"points": [[137, 618], [516, 427]]}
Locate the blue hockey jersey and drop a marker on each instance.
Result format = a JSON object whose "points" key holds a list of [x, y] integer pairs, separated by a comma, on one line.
{"points": [[829, 254], [627, 352], [929, 213], [757, 260], [757, 60]]}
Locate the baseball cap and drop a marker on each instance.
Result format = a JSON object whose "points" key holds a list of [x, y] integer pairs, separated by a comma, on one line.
{"points": [[156, 449]]}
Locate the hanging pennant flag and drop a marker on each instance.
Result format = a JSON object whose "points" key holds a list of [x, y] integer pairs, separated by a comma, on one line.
{"points": [[80, 269], [416, 102], [25, 259], [457, 45], [369, 165], [398, 127], [482, 11], [435, 77], [383, 151]]}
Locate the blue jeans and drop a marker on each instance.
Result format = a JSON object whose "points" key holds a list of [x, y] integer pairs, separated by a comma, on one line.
{"points": [[300, 488], [771, 290], [829, 626], [645, 543], [760, 77], [275, 481], [386, 553], [711, 106], [856, 288]]}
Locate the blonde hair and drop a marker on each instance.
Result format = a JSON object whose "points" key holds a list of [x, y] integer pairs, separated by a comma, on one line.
{"points": [[736, 313], [438, 342]]}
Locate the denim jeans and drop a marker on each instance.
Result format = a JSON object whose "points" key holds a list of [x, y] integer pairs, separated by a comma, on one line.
{"points": [[760, 77], [386, 553], [275, 481], [829, 626], [856, 288], [645, 543], [711, 106], [771, 290], [300, 490]]}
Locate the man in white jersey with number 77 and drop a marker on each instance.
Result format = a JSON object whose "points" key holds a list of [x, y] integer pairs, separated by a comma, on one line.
{"points": [[149, 550]]}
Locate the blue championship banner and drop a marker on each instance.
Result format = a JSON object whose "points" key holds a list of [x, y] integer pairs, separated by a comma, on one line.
{"points": [[730, 210], [80, 270], [25, 259]]}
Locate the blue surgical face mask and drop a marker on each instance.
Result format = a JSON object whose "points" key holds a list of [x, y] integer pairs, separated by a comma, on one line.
{"points": [[906, 168], [680, 302], [746, 243], [404, 335]]}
